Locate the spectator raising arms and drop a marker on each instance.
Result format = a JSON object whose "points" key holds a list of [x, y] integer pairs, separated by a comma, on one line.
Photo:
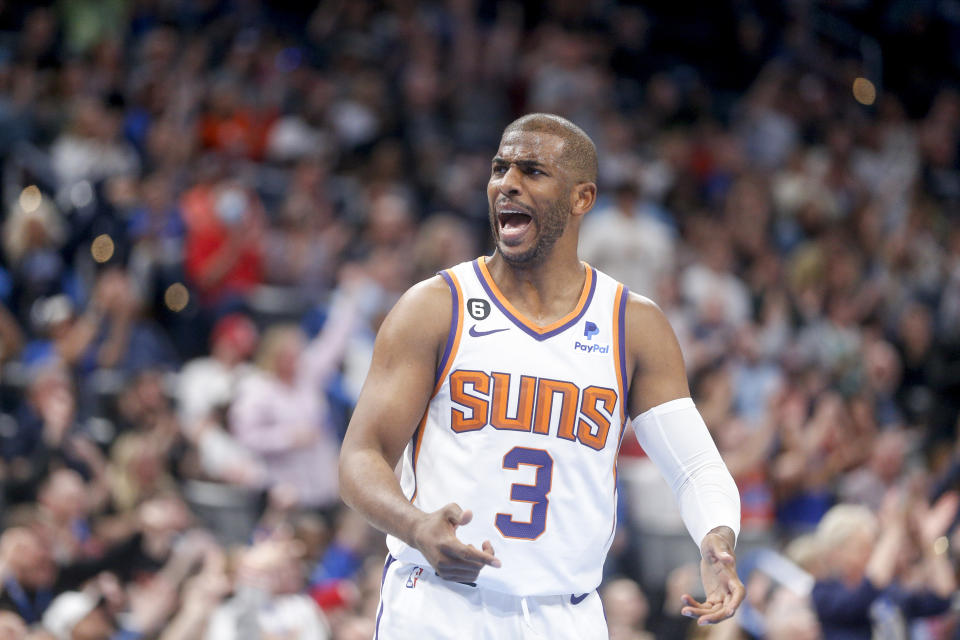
{"points": [[209, 207]]}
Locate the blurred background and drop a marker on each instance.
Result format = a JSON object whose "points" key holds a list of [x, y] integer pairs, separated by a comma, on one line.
{"points": [[209, 206]]}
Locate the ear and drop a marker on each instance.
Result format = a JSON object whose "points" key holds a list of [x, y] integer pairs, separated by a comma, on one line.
{"points": [[583, 197]]}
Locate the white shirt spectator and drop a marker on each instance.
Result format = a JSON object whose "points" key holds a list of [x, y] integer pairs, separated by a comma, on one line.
{"points": [[634, 248], [293, 616], [712, 291]]}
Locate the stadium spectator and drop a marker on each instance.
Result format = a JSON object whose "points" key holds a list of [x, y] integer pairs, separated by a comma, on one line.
{"points": [[224, 240], [266, 598], [863, 559], [789, 200], [205, 390], [280, 411]]}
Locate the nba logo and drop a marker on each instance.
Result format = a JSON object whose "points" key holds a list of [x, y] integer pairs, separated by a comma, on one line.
{"points": [[590, 330], [414, 576]]}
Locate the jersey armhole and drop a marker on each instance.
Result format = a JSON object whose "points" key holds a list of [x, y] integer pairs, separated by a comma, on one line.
{"points": [[443, 367], [456, 327], [620, 348]]}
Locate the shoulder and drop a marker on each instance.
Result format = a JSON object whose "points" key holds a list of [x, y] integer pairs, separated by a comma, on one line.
{"points": [[643, 313], [648, 330], [421, 315], [425, 298]]}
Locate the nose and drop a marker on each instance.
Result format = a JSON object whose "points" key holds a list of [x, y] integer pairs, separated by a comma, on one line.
{"points": [[510, 182]]}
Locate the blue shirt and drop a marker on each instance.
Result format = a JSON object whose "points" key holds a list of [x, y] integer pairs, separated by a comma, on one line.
{"points": [[844, 611]]}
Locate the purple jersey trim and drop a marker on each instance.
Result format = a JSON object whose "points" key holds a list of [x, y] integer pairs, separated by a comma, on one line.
{"points": [[452, 334], [622, 333], [520, 323], [622, 354], [383, 578]]}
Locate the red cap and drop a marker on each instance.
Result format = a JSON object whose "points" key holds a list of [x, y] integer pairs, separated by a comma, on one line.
{"points": [[334, 594], [238, 330]]}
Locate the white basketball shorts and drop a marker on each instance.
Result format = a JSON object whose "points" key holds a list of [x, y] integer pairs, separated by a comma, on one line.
{"points": [[416, 603]]}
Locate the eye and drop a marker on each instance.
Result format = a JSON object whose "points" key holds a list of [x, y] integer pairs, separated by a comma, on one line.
{"points": [[499, 169]]}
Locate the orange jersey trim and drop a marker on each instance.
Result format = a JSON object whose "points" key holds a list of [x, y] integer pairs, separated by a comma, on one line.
{"points": [[450, 353], [588, 285]]}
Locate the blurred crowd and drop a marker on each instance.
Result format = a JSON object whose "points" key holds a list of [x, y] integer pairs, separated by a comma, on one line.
{"points": [[209, 206]]}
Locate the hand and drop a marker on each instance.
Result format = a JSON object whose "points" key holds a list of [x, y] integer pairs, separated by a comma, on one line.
{"points": [[206, 590], [435, 537], [151, 605], [934, 521], [718, 570]]}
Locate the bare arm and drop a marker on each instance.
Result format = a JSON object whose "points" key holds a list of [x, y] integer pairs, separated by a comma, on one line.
{"points": [[391, 405], [72, 345], [11, 336], [654, 361], [657, 376], [326, 351]]}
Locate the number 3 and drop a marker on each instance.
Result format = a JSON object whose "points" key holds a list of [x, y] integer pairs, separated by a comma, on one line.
{"points": [[536, 493]]}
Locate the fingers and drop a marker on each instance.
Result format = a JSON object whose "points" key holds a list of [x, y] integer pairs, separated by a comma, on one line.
{"points": [[452, 559], [457, 516], [471, 555], [711, 612], [721, 614], [705, 612], [462, 562], [468, 553], [737, 593]]}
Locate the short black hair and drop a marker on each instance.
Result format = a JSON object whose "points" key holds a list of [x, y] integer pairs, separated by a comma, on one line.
{"points": [[579, 154]]}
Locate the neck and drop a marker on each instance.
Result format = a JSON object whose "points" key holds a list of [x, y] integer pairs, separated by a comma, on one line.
{"points": [[545, 291]]}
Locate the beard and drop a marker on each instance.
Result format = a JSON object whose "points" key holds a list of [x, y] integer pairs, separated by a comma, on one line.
{"points": [[550, 226]]}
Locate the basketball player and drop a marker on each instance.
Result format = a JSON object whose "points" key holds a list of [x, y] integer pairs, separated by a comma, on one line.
{"points": [[503, 387]]}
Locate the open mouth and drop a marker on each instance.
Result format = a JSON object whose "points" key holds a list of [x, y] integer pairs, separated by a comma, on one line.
{"points": [[513, 219], [513, 224]]}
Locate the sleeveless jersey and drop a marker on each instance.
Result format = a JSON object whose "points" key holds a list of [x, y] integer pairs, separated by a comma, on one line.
{"points": [[523, 429]]}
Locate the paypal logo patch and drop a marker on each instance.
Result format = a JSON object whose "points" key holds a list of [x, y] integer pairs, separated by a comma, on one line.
{"points": [[590, 330], [591, 348]]}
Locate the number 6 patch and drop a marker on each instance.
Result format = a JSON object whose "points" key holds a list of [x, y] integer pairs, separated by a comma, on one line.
{"points": [[478, 308]]}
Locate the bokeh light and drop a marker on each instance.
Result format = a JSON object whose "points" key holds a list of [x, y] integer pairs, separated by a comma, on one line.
{"points": [[30, 199], [81, 194], [176, 297], [864, 91], [102, 248]]}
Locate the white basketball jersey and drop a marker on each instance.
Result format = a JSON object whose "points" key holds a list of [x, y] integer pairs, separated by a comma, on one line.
{"points": [[523, 429]]}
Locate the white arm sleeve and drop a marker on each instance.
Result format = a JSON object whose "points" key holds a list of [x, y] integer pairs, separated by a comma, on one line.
{"points": [[676, 439]]}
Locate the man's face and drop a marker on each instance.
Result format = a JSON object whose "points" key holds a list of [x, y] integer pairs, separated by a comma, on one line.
{"points": [[529, 196], [31, 563]]}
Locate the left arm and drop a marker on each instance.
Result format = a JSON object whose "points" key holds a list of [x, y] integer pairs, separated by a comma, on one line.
{"points": [[350, 308], [674, 436]]}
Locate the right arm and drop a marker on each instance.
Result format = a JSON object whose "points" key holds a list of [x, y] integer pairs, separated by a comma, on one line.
{"points": [[392, 402]]}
